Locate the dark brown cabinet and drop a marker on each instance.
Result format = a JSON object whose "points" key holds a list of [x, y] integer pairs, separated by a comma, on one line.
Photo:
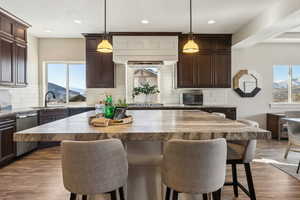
{"points": [[100, 69], [6, 61], [13, 51], [20, 63], [51, 115], [210, 67], [222, 70], [7, 145]]}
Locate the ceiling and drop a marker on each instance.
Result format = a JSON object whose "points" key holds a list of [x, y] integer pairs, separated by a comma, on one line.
{"points": [[58, 16]]}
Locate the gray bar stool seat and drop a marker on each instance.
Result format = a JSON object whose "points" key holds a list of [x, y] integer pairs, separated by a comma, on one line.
{"points": [[194, 167], [94, 167], [242, 152]]}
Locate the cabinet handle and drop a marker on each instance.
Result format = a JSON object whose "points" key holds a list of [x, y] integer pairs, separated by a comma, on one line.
{"points": [[7, 122], [7, 128]]}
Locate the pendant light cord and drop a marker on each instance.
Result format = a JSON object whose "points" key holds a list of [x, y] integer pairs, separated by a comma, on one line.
{"points": [[190, 17], [104, 18]]}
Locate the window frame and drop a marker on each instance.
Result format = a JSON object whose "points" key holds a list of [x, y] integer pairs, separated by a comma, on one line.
{"points": [[290, 85], [67, 76]]}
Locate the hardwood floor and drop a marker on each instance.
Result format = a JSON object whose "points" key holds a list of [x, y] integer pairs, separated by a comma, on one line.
{"points": [[38, 177]]}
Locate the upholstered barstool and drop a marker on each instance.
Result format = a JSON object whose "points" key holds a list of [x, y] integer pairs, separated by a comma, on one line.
{"points": [[242, 152], [94, 167], [194, 167], [293, 133]]}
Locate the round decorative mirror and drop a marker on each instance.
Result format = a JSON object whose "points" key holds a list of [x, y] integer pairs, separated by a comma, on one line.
{"points": [[246, 83]]}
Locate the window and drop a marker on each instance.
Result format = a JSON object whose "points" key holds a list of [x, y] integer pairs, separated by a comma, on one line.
{"points": [[286, 84], [67, 81]]}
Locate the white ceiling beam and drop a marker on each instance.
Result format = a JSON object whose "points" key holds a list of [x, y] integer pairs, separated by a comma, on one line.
{"points": [[276, 20]]}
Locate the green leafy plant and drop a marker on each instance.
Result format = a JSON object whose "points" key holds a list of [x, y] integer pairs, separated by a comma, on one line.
{"points": [[145, 89], [121, 103]]}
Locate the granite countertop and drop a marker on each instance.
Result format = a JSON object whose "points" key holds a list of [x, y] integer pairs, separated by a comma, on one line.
{"points": [[150, 125]]}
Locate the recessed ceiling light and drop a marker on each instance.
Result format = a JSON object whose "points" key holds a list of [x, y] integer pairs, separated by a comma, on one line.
{"points": [[48, 31], [77, 21], [144, 21], [211, 22]]}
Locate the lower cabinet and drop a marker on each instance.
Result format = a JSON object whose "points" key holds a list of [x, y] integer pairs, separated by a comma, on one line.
{"points": [[7, 144], [50, 115], [75, 111]]}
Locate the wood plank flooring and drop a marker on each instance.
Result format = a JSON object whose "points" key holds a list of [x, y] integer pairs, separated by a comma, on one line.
{"points": [[38, 177]]}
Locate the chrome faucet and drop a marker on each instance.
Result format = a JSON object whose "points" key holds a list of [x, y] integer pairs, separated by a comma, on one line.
{"points": [[46, 97]]}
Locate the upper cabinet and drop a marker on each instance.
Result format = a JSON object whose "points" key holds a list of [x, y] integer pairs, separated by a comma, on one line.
{"points": [[210, 67], [100, 69], [13, 51]]}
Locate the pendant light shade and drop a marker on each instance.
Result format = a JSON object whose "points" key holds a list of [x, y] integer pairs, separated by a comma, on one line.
{"points": [[191, 46], [104, 46]]}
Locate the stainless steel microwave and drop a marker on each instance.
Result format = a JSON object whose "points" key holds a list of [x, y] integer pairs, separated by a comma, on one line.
{"points": [[192, 98]]}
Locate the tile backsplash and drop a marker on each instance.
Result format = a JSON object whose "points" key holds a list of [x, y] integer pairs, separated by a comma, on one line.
{"points": [[5, 99]]}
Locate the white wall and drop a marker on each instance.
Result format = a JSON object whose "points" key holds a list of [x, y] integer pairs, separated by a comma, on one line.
{"points": [[261, 58], [29, 95]]}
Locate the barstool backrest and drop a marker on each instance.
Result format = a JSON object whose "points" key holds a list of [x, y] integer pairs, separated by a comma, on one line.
{"points": [[195, 166], [94, 167]]}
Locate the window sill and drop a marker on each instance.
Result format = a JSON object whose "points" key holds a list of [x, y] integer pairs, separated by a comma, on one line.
{"points": [[285, 105]]}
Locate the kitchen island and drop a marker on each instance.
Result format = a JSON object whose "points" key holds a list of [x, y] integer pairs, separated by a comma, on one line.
{"points": [[148, 125], [144, 139]]}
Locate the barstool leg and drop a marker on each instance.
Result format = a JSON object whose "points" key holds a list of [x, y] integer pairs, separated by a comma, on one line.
{"points": [[250, 181], [234, 180], [121, 193], [113, 195], [168, 192], [217, 194], [298, 167], [84, 197], [204, 197], [73, 196], [175, 195]]}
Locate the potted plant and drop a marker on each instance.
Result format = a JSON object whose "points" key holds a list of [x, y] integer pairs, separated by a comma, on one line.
{"points": [[145, 89]]}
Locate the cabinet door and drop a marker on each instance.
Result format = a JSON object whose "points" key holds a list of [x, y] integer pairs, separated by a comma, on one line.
{"points": [[222, 70], [203, 63], [100, 69], [6, 62], [7, 143], [186, 72], [20, 33], [6, 26], [20, 64]]}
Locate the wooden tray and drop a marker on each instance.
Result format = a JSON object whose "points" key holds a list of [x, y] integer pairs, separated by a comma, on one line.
{"points": [[103, 122], [127, 120]]}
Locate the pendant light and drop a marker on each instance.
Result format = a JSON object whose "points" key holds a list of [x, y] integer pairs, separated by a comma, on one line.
{"points": [[104, 46], [191, 46]]}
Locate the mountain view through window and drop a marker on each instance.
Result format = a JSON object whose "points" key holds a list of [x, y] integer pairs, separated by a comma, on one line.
{"points": [[286, 84], [67, 81]]}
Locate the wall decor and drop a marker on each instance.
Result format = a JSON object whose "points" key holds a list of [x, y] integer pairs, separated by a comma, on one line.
{"points": [[246, 83]]}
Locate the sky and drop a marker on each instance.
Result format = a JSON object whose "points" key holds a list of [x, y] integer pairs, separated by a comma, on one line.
{"points": [[57, 75], [281, 72]]}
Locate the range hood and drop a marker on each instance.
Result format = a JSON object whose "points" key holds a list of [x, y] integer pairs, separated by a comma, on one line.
{"points": [[145, 50], [147, 63]]}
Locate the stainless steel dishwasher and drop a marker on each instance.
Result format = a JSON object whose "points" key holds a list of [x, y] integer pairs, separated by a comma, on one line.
{"points": [[25, 121]]}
